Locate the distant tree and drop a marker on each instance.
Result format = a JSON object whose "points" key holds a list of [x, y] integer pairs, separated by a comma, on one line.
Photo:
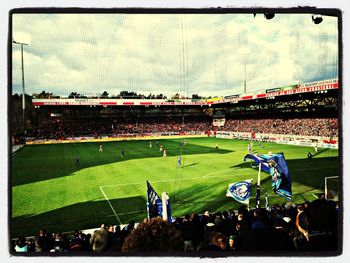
{"points": [[176, 96], [195, 96], [127, 94], [42, 95], [104, 94], [74, 95]]}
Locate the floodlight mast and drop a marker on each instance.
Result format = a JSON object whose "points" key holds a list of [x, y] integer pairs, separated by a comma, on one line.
{"points": [[23, 86]]}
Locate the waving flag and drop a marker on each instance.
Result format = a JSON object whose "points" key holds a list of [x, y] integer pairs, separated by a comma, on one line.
{"points": [[240, 191], [276, 166], [154, 202]]}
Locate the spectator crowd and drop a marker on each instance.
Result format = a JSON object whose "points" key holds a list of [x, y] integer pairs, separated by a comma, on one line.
{"points": [[327, 127], [311, 226], [60, 128]]}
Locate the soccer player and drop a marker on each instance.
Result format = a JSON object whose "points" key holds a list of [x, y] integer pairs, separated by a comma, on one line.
{"points": [[250, 147], [164, 153], [157, 143], [309, 155], [316, 148], [216, 146], [181, 145], [161, 148], [122, 152], [179, 161], [77, 160], [150, 144], [185, 141], [101, 148]]}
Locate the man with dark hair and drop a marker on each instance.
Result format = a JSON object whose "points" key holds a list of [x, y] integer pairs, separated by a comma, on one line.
{"points": [[323, 225], [99, 240], [154, 235], [187, 233]]}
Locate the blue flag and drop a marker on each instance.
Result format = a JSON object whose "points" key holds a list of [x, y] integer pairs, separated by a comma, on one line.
{"points": [[240, 191], [276, 166], [154, 202]]}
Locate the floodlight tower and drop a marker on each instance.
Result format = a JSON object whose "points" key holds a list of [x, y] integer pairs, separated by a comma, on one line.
{"points": [[23, 86]]}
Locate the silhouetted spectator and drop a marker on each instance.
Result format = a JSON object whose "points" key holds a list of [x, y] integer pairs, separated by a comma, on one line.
{"points": [[42, 241], [21, 245], [187, 231], [155, 235], [77, 242], [99, 240]]}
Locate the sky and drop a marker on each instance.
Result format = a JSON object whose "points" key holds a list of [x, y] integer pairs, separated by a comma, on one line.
{"points": [[204, 54]]}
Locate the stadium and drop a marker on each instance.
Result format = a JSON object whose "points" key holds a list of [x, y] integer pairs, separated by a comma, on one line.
{"points": [[163, 169]]}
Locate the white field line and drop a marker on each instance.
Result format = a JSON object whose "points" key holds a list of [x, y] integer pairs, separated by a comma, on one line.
{"points": [[15, 153], [132, 212], [207, 175], [315, 195], [110, 205], [158, 181], [204, 176]]}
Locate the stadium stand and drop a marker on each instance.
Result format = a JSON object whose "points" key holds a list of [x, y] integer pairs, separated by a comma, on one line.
{"points": [[63, 128]]}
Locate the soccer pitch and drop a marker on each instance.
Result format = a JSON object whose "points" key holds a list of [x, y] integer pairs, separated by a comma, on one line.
{"points": [[49, 191]]}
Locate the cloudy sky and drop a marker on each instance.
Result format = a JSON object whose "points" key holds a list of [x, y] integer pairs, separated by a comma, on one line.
{"points": [[203, 54]]}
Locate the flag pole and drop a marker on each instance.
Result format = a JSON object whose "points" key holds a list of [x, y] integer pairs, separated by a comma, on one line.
{"points": [[266, 200], [147, 202], [258, 189], [164, 204]]}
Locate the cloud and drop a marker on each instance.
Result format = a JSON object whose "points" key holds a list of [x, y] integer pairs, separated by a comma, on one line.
{"points": [[170, 53]]}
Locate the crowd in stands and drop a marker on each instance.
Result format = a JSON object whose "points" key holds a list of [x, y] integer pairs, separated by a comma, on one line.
{"points": [[327, 127], [64, 128], [311, 226]]}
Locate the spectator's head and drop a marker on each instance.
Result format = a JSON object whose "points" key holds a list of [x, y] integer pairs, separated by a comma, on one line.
{"points": [[322, 215], [77, 233], [21, 242], [155, 235], [41, 233], [206, 213], [231, 242], [194, 217], [111, 228], [131, 225], [218, 240], [240, 217]]}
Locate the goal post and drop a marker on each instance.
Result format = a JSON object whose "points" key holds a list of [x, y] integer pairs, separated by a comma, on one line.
{"points": [[331, 187]]}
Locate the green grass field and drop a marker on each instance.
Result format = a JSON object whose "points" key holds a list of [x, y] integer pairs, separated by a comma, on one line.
{"points": [[49, 191]]}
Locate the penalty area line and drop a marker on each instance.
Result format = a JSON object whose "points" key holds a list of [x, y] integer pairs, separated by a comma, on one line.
{"points": [[206, 176], [128, 213], [171, 180], [116, 215]]}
